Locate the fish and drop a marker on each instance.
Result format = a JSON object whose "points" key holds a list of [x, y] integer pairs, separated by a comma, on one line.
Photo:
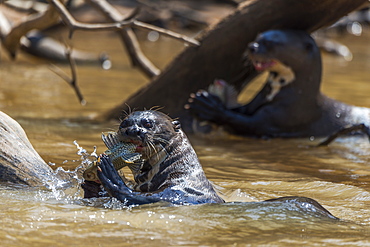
{"points": [[120, 153]]}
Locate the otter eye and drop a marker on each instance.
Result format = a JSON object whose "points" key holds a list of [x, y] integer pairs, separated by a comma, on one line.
{"points": [[146, 123]]}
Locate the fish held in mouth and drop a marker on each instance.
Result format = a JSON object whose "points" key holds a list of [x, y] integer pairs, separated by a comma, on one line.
{"points": [[120, 153]]}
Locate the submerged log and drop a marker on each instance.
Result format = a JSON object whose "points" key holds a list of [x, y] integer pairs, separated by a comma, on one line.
{"points": [[19, 162], [221, 52]]}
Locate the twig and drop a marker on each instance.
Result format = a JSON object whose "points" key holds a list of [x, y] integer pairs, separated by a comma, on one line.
{"points": [[124, 25], [73, 80], [345, 131], [132, 14], [141, 25], [73, 24], [128, 38]]}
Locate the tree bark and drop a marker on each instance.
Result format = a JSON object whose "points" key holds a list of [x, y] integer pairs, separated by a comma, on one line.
{"points": [[221, 52], [19, 162]]}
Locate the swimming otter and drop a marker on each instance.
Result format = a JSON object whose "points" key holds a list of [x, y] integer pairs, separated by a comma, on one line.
{"points": [[290, 104], [171, 172]]}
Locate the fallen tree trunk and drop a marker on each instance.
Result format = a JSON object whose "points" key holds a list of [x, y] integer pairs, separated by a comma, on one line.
{"points": [[221, 52], [19, 162]]}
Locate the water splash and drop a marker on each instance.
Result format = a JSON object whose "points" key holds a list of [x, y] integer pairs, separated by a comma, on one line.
{"points": [[65, 185]]}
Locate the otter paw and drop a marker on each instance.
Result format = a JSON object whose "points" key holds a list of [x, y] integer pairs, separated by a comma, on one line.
{"points": [[205, 106], [109, 177]]}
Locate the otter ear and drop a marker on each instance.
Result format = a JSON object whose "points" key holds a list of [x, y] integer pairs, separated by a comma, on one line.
{"points": [[176, 125]]}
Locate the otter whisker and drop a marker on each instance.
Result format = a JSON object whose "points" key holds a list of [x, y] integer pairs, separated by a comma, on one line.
{"points": [[148, 152], [155, 151], [152, 145], [158, 137], [125, 113], [156, 108]]}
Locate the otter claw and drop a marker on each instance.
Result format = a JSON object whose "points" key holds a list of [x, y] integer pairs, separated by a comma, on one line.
{"points": [[108, 176]]}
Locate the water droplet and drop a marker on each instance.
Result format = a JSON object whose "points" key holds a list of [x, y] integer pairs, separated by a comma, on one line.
{"points": [[172, 217], [106, 65], [153, 36], [355, 28], [312, 138], [337, 115]]}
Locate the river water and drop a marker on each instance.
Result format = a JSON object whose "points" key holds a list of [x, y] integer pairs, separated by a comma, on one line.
{"points": [[246, 170]]}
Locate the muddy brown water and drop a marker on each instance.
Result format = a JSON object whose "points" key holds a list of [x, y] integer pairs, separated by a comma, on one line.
{"points": [[247, 170]]}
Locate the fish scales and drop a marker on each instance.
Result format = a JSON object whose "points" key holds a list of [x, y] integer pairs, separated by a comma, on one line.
{"points": [[121, 154]]}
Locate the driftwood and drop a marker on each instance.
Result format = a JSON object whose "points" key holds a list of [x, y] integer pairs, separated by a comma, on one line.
{"points": [[11, 37], [19, 162], [29, 39], [221, 52]]}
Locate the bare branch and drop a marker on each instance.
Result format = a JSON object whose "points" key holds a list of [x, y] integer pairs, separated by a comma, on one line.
{"points": [[345, 131], [12, 39], [73, 80], [125, 23], [35, 21], [128, 37], [76, 25], [133, 14], [141, 25]]}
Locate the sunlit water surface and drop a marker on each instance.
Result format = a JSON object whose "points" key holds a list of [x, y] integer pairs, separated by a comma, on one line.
{"points": [[246, 170]]}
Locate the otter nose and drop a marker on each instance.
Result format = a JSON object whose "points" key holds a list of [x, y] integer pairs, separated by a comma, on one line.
{"points": [[253, 47], [135, 131]]}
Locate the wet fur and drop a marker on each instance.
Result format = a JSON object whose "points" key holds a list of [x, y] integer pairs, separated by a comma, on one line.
{"points": [[178, 177]]}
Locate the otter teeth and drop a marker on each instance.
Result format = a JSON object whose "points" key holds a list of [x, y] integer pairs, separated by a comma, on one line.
{"points": [[259, 66]]}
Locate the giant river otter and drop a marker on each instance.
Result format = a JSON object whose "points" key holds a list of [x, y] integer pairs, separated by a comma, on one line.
{"points": [[171, 172], [290, 104]]}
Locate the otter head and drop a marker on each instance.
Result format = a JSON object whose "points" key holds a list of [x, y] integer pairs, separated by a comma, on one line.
{"points": [[287, 55], [291, 48], [150, 130]]}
